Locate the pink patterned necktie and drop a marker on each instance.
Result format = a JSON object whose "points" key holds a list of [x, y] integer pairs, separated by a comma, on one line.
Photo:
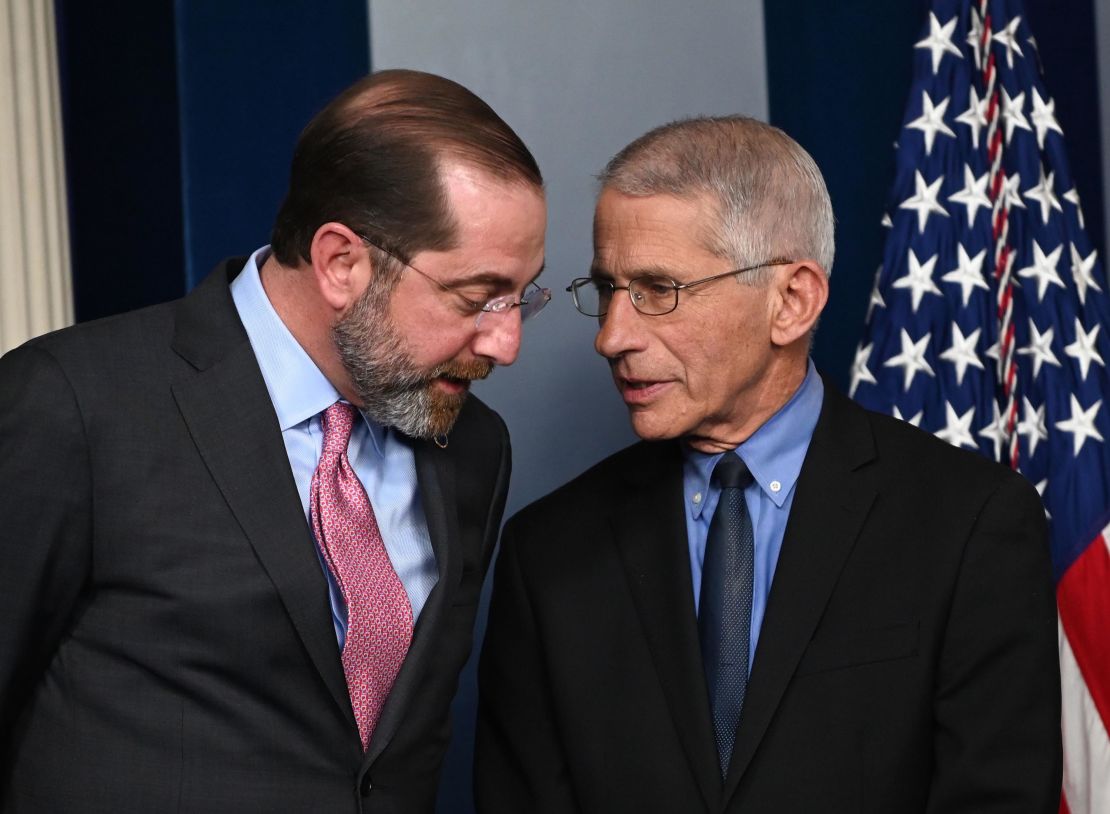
{"points": [[379, 616]]}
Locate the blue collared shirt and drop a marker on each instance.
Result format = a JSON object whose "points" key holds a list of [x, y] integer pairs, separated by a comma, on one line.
{"points": [[382, 460], [774, 456]]}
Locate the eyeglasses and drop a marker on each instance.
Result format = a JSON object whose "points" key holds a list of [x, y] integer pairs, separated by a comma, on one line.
{"points": [[651, 294], [530, 303]]}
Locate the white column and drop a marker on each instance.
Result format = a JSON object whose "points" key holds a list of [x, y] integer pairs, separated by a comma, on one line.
{"points": [[36, 292]]}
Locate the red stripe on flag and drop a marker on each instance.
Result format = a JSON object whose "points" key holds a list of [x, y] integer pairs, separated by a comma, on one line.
{"points": [[1064, 805], [1084, 605]]}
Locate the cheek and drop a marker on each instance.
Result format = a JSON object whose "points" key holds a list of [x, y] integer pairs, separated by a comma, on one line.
{"points": [[439, 346]]}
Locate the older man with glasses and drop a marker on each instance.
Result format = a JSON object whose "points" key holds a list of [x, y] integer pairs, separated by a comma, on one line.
{"points": [[776, 601], [245, 533]]}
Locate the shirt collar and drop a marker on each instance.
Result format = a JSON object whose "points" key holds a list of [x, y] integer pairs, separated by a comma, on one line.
{"points": [[297, 387], [773, 454]]}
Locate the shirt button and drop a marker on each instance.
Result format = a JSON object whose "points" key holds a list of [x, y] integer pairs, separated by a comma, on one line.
{"points": [[697, 498], [776, 486]]}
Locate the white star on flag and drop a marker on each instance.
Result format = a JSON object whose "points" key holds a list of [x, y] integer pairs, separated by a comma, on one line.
{"points": [[876, 300], [939, 41], [1007, 37], [962, 351], [912, 358], [1044, 193], [975, 116], [1032, 425], [918, 278], [995, 432], [1044, 117], [1040, 487], [957, 428], [1084, 349], [860, 371], [973, 195], [1081, 268], [931, 121], [1072, 197], [1011, 195], [915, 419], [1040, 348], [1044, 269], [1011, 113], [924, 199], [994, 351], [975, 35], [1081, 424], [968, 274]]}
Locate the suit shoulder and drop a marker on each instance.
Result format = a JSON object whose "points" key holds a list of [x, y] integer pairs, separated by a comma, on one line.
{"points": [[939, 464], [98, 341], [587, 492]]}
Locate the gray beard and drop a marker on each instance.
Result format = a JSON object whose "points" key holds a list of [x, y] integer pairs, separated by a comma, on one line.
{"points": [[394, 391]]}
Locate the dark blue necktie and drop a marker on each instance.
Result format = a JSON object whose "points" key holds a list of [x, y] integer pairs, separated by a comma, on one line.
{"points": [[725, 606]]}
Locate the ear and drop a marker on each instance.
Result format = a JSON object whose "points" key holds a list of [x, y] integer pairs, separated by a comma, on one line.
{"points": [[802, 291], [340, 265]]}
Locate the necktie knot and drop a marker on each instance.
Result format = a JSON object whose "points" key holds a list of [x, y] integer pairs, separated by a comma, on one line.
{"points": [[338, 421], [731, 472]]}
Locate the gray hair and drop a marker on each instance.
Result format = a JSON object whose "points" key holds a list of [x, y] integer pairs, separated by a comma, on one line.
{"points": [[770, 197]]}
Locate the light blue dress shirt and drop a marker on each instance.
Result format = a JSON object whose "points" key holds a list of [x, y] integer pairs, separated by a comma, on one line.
{"points": [[774, 456], [383, 461]]}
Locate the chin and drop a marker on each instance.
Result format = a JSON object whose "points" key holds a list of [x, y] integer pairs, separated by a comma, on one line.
{"points": [[652, 428]]}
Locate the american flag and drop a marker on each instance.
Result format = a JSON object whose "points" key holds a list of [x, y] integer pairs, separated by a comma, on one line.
{"points": [[987, 324]]}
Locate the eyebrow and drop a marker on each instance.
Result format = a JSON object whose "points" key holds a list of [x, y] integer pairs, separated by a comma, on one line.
{"points": [[598, 273], [492, 278]]}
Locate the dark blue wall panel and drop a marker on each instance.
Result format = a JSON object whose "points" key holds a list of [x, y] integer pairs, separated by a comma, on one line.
{"points": [[251, 74], [119, 112], [180, 120]]}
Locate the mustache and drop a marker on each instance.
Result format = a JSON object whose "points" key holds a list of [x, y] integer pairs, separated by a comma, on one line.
{"points": [[466, 371]]}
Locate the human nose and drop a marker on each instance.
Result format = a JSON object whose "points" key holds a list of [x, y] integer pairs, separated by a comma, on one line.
{"points": [[497, 336], [619, 330]]}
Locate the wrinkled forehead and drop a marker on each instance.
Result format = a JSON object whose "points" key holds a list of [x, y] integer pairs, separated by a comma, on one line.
{"points": [[651, 233]]}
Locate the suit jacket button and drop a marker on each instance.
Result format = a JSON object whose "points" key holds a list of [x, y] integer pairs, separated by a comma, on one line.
{"points": [[365, 785]]}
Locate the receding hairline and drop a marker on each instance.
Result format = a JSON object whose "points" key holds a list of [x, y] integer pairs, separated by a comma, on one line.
{"points": [[397, 94]]}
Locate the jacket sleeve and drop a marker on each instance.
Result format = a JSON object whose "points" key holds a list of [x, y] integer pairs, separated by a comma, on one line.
{"points": [[45, 503], [997, 742], [519, 760]]}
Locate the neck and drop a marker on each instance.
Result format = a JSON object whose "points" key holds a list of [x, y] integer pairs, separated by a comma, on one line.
{"points": [[777, 387], [298, 304]]}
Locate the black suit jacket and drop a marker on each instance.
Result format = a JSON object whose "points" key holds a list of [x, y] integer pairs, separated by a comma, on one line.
{"points": [[166, 642], [906, 662]]}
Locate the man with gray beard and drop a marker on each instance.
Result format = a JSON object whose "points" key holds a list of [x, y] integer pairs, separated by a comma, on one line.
{"points": [[246, 531]]}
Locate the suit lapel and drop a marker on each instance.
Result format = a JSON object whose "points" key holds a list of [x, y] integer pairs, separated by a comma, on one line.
{"points": [[830, 506], [435, 474], [232, 422], [649, 527]]}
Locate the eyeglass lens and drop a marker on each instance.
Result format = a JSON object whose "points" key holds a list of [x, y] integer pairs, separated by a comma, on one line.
{"points": [[650, 295]]}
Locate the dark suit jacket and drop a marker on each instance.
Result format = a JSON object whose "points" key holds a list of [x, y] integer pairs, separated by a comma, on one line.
{"points": [[906, 663], [166, 642]]}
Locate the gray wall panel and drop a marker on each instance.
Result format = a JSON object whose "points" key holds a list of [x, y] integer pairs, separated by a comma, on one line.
{"points": [[577, 81]]}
